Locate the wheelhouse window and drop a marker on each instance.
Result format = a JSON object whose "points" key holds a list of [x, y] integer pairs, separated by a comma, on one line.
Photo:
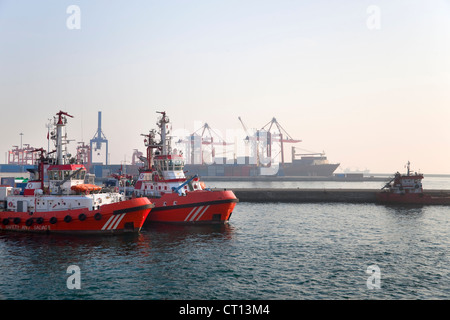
{"points": [[55, 175], [80, 175], [179, 164], [61, 175], [169, 165], [67, 174]]}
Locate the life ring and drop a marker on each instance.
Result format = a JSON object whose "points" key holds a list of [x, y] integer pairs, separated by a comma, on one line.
{"points": [[67, 218], [10, 204], [16, 192]]}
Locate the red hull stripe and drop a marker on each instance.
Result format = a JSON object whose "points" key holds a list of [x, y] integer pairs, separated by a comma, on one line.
{"points": [[113, 222], [200, 216], [187, 217], [192, 216], [196, 204]]}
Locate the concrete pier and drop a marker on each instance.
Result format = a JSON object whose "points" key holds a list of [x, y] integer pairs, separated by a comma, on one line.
{"points": [[294, 178], [315, 195]]}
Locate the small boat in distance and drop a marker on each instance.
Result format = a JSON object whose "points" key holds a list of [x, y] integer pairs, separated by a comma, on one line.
{"points": [[407, 189]]}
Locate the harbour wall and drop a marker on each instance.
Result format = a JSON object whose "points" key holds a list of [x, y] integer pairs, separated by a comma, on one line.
{"points": [[315, 195], [295, 178]]}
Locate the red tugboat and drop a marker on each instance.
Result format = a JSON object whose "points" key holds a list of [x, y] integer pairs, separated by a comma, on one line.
{"points": [[407, 189], [178, 199], [58, 200]]}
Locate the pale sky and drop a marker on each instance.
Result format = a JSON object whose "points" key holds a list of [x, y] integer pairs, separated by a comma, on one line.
{"points": [[365, 81]]}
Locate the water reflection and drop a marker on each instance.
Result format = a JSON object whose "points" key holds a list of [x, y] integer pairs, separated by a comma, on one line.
{"points": [[405, 211], [35, 265], [156, 234], [162, 236]]}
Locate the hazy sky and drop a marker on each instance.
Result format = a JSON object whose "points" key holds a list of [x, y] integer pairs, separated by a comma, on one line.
{"points": [[365, 81]]}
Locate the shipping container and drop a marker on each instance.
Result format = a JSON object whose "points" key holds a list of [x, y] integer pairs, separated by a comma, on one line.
{"points": [[8, 181], [220, 170], [211, 170], [245, 171], [228, 171]]}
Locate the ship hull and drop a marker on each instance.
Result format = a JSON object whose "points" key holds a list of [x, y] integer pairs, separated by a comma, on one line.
{"points": [[197, 207], [308, 170], [245, 170], [411, 198], [124, 216]]}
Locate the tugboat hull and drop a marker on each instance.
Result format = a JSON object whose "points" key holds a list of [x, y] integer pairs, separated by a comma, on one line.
{"points": [[411, 198], [124, 216], [198, 207]]}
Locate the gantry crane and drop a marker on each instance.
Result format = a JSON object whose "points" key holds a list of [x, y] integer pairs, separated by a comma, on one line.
{"points": [[99, 138], [204, 136], [263, 139], [282, 136]]}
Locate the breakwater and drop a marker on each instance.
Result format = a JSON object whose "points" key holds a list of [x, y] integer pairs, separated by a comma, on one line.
{"points": [[314, 195], [348, 178]]}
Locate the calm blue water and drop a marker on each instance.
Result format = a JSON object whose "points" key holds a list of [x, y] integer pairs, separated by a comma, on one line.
{"points": [[267, 251]]}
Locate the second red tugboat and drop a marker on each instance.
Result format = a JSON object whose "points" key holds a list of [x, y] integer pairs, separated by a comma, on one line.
{"points": [[178, 199]]}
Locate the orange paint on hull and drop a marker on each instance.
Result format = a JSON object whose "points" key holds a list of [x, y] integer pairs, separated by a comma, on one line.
{"points": [[125, 216], [197, 207]]}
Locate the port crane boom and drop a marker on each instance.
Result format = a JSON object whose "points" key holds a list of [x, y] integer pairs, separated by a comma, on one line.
{"points": [[284, 137]]}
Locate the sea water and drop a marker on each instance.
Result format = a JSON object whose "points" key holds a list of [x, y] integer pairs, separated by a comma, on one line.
{"points": [[267, 251]]}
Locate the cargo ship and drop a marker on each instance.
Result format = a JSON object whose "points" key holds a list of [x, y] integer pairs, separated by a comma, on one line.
{"points": [[56, 199], [308, 165], [407, 189], [177, 198]]}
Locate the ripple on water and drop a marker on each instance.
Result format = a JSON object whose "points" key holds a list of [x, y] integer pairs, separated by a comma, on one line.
{"points": [[268, 251]]}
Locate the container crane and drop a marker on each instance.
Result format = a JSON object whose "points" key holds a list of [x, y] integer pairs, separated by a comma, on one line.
{"points": [[247, 138], [255, 139], [84, 155], [204, 136], [99, 138], [282, 137]]}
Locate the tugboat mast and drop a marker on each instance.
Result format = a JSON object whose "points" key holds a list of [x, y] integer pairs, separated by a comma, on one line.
{"points": [[60, 136], [165, 140], [150, 144]]}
